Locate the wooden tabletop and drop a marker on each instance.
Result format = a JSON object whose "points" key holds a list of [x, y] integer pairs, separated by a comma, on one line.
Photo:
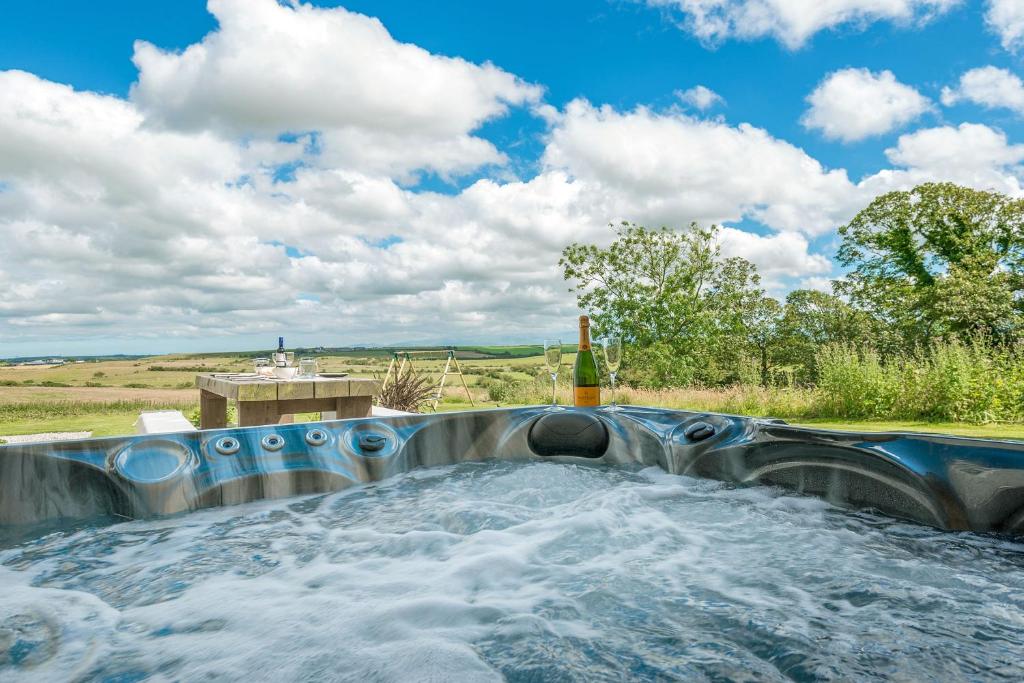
{"points": [[250, 387]]}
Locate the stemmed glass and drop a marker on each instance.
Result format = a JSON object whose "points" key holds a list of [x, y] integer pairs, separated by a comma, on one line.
{"points": [[553, 359], [613, 357]]}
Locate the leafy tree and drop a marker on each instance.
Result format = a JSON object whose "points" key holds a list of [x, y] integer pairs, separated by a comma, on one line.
{"points": [[749, 319], [648, 285], [810, 320], [938, 260], [687, 314]]}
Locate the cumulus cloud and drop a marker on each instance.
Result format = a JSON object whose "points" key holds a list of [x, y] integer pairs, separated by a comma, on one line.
{"points": [[700, 97], [162, 218], [793, 22], [778, 257], [853, 104], [970, 154], [1006, 19], [990, 87], [378, 104], [661, 167]]}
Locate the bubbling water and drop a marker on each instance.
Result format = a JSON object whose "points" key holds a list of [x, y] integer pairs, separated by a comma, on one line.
{"points": [[524, 572]]}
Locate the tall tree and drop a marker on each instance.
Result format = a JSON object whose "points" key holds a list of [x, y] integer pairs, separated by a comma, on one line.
{"points": [[748, 318], [812, 319], [648, 285], [938, 260], [688, 314]]}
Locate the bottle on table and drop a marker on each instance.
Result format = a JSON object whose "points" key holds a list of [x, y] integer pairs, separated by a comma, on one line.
{"points": [[280, 357], [586, 388]]}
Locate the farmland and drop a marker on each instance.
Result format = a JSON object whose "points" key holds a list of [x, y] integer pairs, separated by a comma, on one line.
{"points": [[105, 397]]}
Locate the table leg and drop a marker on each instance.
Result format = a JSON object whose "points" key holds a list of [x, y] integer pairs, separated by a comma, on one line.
{"points": [[252, 413], [354, 406], [213, 410]]}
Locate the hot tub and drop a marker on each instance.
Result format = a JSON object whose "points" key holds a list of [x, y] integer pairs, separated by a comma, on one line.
{"points": [[519, 545], [947, 482]]}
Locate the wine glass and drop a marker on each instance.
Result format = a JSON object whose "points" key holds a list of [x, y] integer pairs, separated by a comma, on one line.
{"points": [[613, 357], [553, 359]]}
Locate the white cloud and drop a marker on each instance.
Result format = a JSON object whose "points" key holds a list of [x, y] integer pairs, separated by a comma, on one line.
{"points": [[783, 255], [853, 104], [969, 146], [132, 219], [793, 22], [380, 105], [988, 86], [668, 168], [700, 97], [822, 284], [970, 154], [1006, 18]]}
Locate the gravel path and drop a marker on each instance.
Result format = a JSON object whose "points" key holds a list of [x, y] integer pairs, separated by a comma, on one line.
{"points": [[48, 436]]}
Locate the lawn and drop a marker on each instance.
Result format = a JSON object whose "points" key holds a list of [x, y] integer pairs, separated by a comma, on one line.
{"points": [[989, 431]]}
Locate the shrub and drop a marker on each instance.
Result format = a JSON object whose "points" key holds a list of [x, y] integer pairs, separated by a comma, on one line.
{"points": [[501, 392], [656, 367], [410, 392], [949, 380]]}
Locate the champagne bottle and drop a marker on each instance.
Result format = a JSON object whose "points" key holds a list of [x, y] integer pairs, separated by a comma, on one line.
{"points": [[586, 390], [280, 359]]}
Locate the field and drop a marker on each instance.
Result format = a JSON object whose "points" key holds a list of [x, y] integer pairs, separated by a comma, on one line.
{"points": [[105, 397]]}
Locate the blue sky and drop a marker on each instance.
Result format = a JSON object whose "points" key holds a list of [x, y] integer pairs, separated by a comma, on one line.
{"points": [[622, 63]]}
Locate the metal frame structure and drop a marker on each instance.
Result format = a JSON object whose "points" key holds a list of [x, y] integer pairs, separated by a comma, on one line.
{"points": [[402, 360]]}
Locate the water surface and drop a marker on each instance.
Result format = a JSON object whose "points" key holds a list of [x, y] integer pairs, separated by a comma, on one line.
{"points": [[523, 572]]}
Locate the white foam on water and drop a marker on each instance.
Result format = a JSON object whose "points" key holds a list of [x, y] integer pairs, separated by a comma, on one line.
{"points": [[520, 572]]}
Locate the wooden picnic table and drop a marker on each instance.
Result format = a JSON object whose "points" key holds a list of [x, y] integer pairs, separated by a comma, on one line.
{"points": [[268, 400]]}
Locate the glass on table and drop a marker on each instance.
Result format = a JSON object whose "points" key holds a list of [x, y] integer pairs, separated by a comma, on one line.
{"points": [[307, 368], [262, 366]]}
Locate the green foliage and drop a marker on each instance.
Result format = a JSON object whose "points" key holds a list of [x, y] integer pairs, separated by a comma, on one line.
{"points": [[971, 381], [810, 320], [938, 260], [648, 285], [501, 391], [195, 417], [657, 365], [686, 314]]}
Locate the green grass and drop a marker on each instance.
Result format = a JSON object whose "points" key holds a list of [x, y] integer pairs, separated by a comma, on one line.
{"points": [[100, 425], [989, 431]]}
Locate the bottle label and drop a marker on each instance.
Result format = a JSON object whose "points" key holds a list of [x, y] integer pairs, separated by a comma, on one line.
{"points": [[587, 397]]}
